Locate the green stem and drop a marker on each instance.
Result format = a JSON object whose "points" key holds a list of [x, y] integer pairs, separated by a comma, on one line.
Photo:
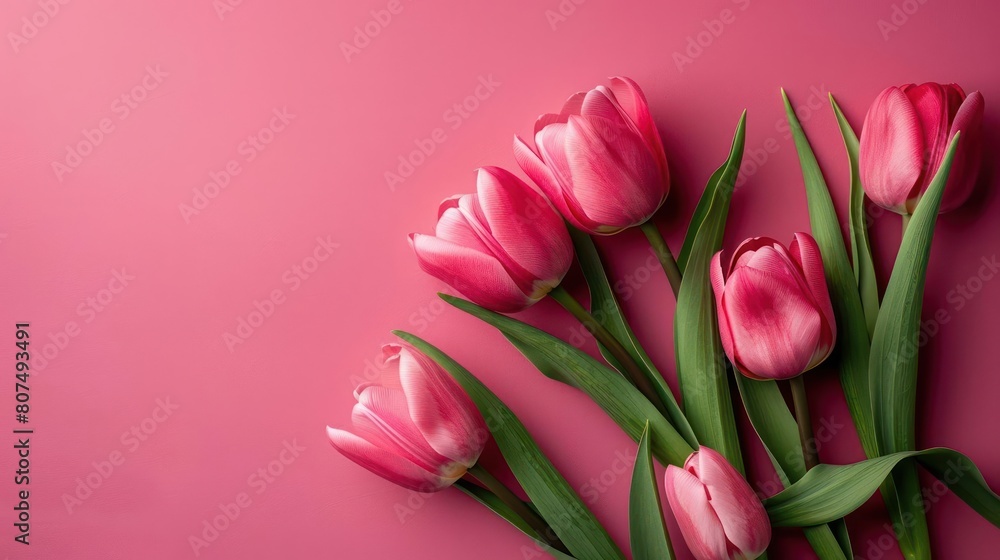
{"points": [[805, 423], [522, 509], [664, 255], [906, 222], [608, 340]]}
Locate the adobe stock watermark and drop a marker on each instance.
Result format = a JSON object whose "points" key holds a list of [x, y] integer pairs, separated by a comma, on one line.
{"points": [[31, 25], [756, 157], [877, 547], [621, 467], [562, 12], [121, 108], [454, 117], [366, 32], [225, 7], [131, 440], [246, 151], [625, 288], [823, 433], [898, 17], [705, 38], [958, 298], [291, 280], [258, 482], [88, 310]]}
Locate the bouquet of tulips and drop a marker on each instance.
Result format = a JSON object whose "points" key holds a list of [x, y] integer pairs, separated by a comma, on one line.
{"points": [[745, 324]]}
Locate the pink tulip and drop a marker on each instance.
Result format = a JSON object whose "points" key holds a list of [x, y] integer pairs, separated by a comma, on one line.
{"points": [[415, 426], [600, 160], [775, 316], [718, 513], [905, 136], [503, 247]]}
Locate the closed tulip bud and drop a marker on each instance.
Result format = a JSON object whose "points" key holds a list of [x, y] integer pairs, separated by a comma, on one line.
{"points": [[905, 136], [775, 315], [414, 426], [718, 513], [600, 160], [504, 247]]}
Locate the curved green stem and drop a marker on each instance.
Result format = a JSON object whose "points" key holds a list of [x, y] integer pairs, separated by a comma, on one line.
{"points": [[664, 255], [612, 344], [805, 423], [522, 509]]}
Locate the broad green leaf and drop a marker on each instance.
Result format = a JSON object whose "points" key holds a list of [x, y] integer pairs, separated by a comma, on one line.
{"points": [[861, 252], [647, 530], [895, 344], [701, 367], [606, 310], [852, 331], [828, 492], [553, 497], [775, 425], [700, 211], [568, 364], [498, 507], [893, 365], [778, 431]]}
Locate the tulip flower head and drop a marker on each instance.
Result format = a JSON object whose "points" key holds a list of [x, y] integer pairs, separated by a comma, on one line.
{"points": [[600, 160], [415, 426], [775, 315], [503, 247], [905, 136], [718, 513]]}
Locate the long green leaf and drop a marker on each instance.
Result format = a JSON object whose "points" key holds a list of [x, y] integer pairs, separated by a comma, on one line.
{"points": [[828, 492], [700, 211], [701, 366], [861, 252], [893, 365], [490, 500], [555, 500], [568, 364], [852, 331], [778, 431], [895, 343], [606, 310], [647, 530]]}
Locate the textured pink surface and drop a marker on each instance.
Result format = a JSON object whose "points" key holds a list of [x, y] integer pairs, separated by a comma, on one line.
{"points": [[305, 226]]}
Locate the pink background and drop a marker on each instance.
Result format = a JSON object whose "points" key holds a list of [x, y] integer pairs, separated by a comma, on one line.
{"points": [[193, 276]]}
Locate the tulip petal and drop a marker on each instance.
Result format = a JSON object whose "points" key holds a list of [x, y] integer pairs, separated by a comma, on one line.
{"points": [[382, 417], [776, 328], [479, 276], [558, 178], [441, 410], [449, 203], [455, 227], [600, 102], [742, 515], [573, 105], [388, 373], [632, 102], [719, 287], [956, 95], [530, 234], [385, 464], [930, 101], [615, 179], [968, 156], [806, 254], [746, 250], [699, 524], [891, 150]]}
